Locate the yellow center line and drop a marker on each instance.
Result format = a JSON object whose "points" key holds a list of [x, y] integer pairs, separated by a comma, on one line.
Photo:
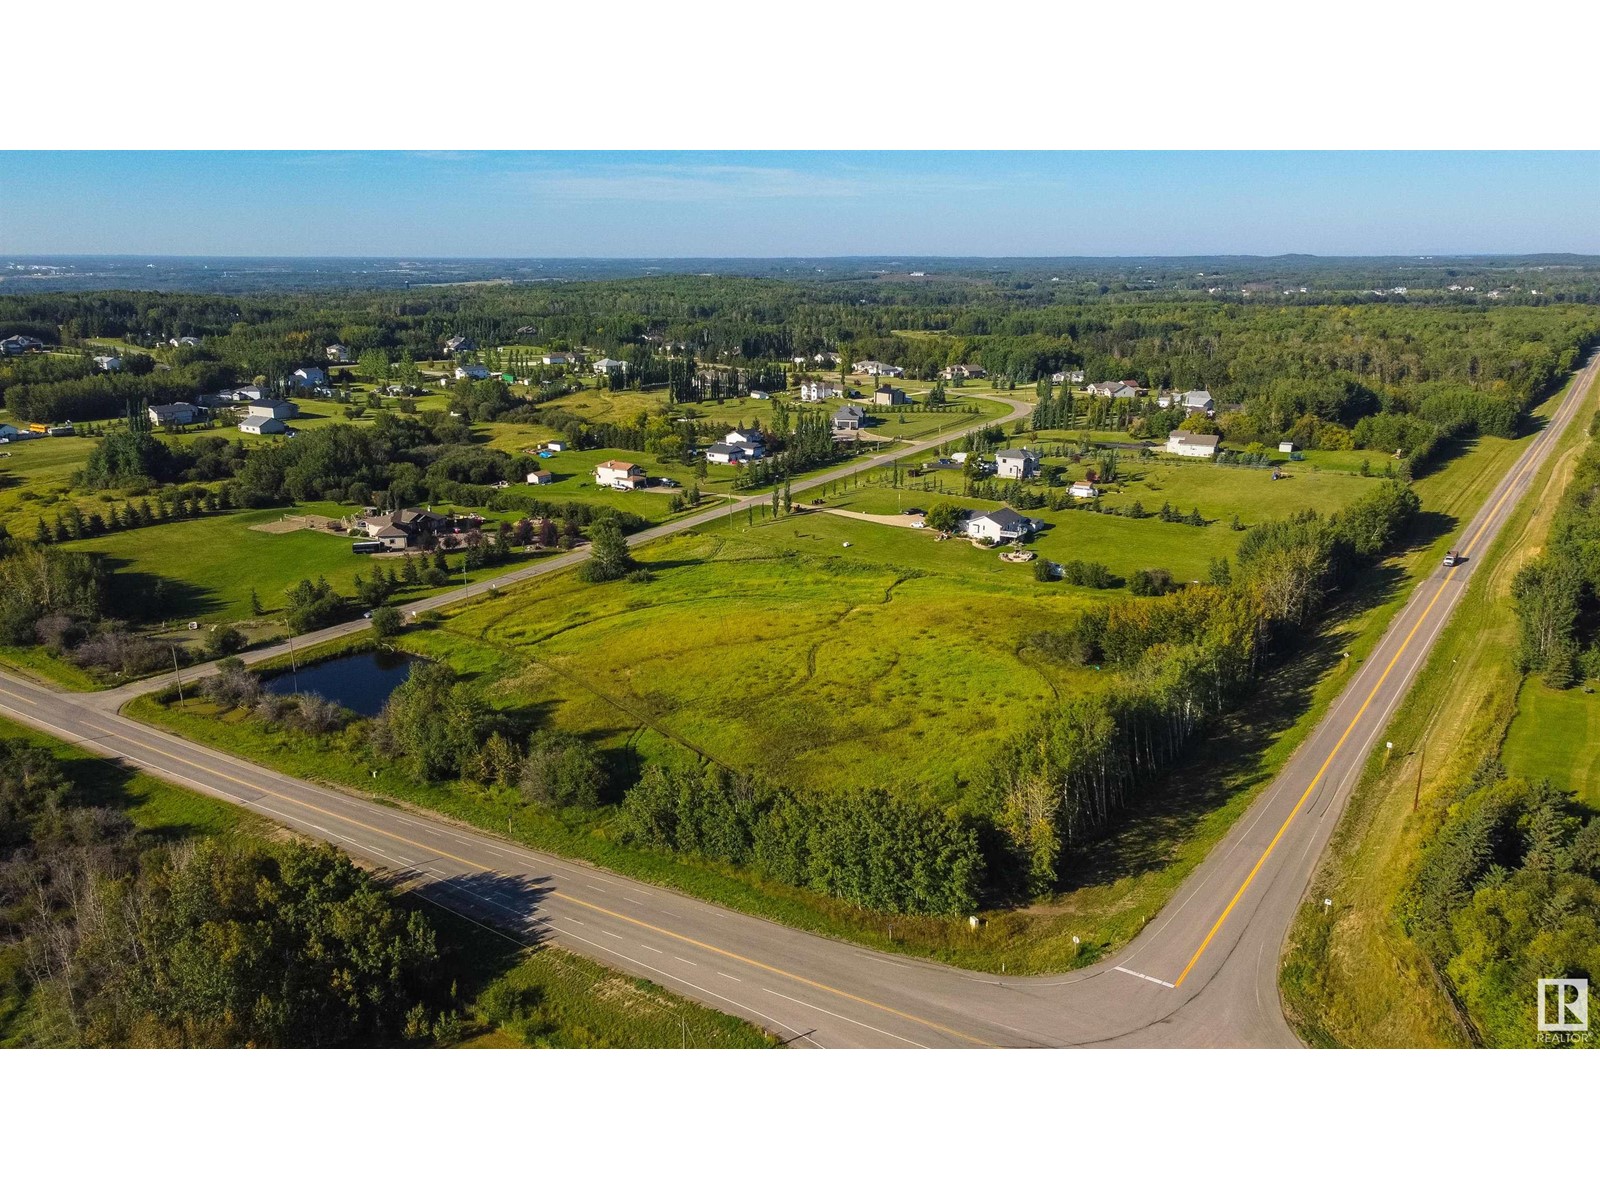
{"points": [[1505, 495], [441, 853]]}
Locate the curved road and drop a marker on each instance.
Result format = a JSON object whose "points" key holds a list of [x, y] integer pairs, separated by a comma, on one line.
{"points": [[1203, 973]]}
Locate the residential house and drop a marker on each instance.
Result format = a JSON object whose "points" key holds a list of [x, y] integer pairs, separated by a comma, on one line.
{"points": [[1001, 526], [963, 371], [1193, 445], [261, 424], [753, 441], [459, 344], [540, 476], [184, 341], [815, 391], [886, 395], [826, 359], [607, 365], [20, 343], [1198, 401], [1067, 377], [727, 455], [338, 353], [472, 371], [849, 418], [108, 362], [169, 416], [554, 447], [281, 410], [1117, 389], [412, 526], [1084, 491], [249, 394], [309, 377], [621, 475], [559, 359], [872, 366], [1016, 464]]}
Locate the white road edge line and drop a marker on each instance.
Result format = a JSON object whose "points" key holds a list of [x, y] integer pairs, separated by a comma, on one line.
{"points": [[1146, 978]]}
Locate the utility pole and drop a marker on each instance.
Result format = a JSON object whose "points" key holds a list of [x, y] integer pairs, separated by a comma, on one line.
{"points": [[1422, 761], [294, 671], [177, 672]]}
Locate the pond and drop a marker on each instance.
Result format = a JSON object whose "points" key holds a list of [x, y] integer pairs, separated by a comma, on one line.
{"points": [[360, 682]]}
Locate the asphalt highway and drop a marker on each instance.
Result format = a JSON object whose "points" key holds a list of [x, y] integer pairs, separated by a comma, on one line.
{"points": [[1203, 973]]}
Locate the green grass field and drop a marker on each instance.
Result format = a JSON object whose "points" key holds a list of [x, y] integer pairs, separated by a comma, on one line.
{"points": [[776, 647], [1556, 736], [214, 562]]}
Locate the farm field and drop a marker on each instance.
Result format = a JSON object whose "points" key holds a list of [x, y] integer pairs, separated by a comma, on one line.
{"points": [[775, 647]]}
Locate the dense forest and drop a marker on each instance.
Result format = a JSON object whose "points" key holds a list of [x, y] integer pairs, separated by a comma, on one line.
{"points": [[132, 940]]}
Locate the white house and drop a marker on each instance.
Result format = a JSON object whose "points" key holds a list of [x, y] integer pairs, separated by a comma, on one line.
{"points": [[1000, 526], [472, 371], [108, 362], [278, 410], [621, 475], [1193, 445], [559, 359], [886, 395], [261, 424], [871, 366], [725, 454], [1197, 401], [541, 476], [1286, 447], [1084, 491], [1067, 377], [753, 441], [607, 365], [167, 416], [338, 353], [554, 447], [1016, 464], [963, 371], [757, 394], [184, 341], [309, 377], [815, 391]]}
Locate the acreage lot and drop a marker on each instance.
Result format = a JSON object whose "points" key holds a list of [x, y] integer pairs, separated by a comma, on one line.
{"points": [[210, 565], [777, 648]]}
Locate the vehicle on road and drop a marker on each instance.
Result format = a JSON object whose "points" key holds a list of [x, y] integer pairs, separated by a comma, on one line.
{"points": [[1452, 558]]}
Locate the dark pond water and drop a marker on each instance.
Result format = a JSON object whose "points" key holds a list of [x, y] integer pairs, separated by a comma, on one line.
{"points": [[360, 682]]}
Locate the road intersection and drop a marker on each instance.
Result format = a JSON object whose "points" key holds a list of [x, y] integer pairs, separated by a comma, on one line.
{"points": [[1202, 973]]}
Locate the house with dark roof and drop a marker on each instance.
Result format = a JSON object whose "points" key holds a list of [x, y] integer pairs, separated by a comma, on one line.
{"points": [[849, 418]]}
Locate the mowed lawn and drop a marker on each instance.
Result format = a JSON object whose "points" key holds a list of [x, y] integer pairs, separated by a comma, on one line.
{"points": [[776, 648], [1556, 736]]}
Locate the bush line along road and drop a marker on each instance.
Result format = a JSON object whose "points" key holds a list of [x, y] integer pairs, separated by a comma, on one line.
{"points": [[1203, 973]]}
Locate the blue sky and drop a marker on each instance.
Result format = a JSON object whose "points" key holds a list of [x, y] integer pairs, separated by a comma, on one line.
{"points": [[814, 203]]}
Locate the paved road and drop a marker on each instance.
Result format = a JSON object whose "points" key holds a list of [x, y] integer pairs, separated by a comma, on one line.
{"points": [[1203, 973], [115, 698]]}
